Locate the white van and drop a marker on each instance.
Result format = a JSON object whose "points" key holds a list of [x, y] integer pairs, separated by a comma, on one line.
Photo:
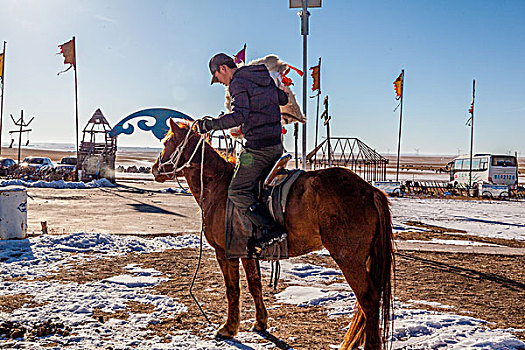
{"points": [[486, 168]]}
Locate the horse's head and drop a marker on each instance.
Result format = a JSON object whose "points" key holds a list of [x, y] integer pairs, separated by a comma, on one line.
{"points": [[176, 152]]}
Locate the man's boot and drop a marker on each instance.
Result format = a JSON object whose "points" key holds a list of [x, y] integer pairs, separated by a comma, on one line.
{"points": [[271, 231]]}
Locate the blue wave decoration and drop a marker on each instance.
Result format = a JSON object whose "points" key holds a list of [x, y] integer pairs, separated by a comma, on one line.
{"points": [[159, 115]]}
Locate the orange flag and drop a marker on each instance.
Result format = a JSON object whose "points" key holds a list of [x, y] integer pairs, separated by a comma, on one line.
{"points": [[1, 65], [316, 73], [398, 86], [68, 51]]}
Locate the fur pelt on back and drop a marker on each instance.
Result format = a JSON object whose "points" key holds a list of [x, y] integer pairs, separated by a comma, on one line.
{"points": [[291, 112]]}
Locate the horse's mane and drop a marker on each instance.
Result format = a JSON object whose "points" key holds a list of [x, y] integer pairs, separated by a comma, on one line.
{"points": [[231, 159]]}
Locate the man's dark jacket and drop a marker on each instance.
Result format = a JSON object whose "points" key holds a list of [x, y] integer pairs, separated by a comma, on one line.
{"points": [[255, 105]]}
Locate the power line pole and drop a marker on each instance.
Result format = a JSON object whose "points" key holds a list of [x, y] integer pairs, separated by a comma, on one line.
{"points": [[20, 122]]}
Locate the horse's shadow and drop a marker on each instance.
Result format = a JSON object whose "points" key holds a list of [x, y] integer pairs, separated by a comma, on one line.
{"points": [[484, 221], [280, 344], [469, 272]]}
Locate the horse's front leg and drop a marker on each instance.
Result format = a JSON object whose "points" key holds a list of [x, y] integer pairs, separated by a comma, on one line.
{"points": [[230, 271], [255, 286]]}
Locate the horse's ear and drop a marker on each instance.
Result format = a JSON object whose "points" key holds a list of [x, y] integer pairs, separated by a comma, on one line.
{"points": [[173, 125]]}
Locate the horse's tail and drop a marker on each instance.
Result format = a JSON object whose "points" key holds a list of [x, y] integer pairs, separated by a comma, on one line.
{"points": [[355, 336], [382, 261]]}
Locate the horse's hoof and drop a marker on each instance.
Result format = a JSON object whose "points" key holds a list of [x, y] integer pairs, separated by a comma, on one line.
{"points": [[259, 327], [224, 333]]}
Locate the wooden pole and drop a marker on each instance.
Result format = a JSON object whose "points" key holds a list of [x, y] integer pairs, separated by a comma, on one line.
{"points": [[2, 103], [472, 132], [79, 165], [317, 116], [296, 138], [400, 122], [20, 134]]}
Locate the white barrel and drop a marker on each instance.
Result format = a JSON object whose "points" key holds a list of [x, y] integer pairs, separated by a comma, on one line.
{"points": [[13, 212]]}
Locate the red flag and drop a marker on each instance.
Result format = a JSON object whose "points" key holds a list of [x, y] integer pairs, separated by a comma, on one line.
{"points": [[286, 80], [471, 109], [240, 56], [398, 86], [316, 73], [300, 72], [68, 51]]}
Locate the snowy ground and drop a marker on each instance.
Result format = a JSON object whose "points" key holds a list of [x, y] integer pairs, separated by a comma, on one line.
{"points": [[497, 219], [59, 184], [73, 303]]}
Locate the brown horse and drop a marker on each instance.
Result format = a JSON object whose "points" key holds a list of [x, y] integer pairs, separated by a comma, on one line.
{"points": [[331, 208]]}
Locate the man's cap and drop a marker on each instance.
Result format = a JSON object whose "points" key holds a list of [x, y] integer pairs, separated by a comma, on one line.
{"points": [[217, 61]]}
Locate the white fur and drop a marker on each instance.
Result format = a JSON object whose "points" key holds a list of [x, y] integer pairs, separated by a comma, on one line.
{"points": [[291, 112]]}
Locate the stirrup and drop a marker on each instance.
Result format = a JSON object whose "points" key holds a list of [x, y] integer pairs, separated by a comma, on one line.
{"points": [[265, 242]]}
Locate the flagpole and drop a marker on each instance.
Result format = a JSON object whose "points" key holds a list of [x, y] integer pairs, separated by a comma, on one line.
{"points": [[472, 132], [2, 103], [76, 111], [400, 122], [317, 117]]}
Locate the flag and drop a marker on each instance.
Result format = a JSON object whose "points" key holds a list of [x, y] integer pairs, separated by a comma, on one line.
{"points": [[68, 51], [1, 65], [300, 72], [398, 86], [286, 80], [316, 73], [240, 57], [471, 109]]}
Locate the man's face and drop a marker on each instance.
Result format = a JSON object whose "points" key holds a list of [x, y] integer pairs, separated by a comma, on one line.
{"points": [[224, 75]]}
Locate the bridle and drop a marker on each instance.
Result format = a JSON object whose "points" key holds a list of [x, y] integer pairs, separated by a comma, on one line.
{"points": [[176, 155]]}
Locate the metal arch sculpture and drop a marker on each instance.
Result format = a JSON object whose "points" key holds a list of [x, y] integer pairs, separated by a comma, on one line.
{"points": [[159, 129]]}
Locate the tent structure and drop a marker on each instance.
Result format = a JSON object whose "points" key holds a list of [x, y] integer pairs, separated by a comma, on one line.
{"points": [[351, 153]]}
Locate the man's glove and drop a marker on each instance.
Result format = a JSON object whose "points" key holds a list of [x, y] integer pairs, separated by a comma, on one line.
{"points": [[204, 125]]}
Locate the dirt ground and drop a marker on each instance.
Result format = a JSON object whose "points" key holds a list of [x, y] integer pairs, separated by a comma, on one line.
{"points": [[483, 286]]}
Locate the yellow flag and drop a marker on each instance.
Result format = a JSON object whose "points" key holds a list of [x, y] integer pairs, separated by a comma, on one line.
{"points": [[1, 65], [398, 86]]}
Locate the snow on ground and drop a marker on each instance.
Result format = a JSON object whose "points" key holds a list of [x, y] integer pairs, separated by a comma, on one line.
{"points": [[74, 303], [453, 242], [59, 184], [413, 328], [497, 219]]}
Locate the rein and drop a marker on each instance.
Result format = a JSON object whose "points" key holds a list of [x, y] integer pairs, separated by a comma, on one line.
{"points": [[174, 160]]}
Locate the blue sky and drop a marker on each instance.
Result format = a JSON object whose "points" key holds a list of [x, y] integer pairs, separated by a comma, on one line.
{"points": [[133, 55]]}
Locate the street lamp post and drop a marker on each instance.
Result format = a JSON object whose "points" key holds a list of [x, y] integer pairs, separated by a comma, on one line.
{"points": [[304, 14]]}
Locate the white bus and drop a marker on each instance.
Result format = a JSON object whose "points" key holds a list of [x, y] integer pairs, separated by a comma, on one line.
{"points": [[486, 168]]}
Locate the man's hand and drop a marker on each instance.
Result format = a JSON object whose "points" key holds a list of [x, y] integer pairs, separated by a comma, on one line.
{"points": [[204, 125]]}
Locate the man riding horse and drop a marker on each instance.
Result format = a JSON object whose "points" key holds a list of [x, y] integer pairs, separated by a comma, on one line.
{"points": [[255, 101]]}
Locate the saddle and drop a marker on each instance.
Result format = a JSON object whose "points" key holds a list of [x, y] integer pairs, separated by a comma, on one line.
{"points": [[272, 190]]}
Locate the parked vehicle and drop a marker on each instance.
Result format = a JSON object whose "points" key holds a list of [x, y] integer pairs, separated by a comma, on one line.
{"points": [[67, 163], [7, 166], [37, 163], [486, 169]]}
